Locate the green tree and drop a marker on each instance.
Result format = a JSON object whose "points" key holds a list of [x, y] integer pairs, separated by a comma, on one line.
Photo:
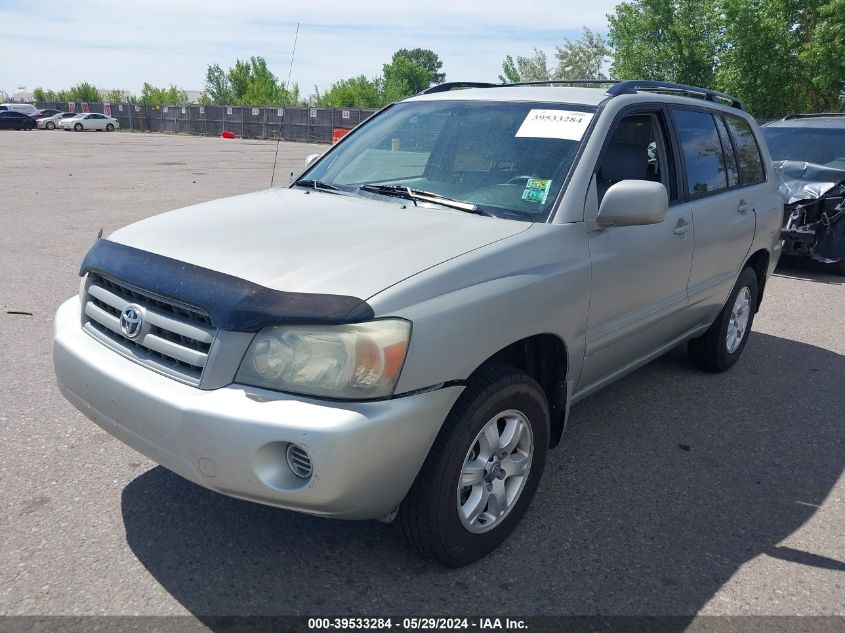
{"points": [[163, 96], [247, 83], [355, 92], [217, 87], [84, 92], [823, 56], [262, 86], [584, 58], [534, 68], [424, 58], [403, 78], [117, 96], [670, 40], [784, 55]]}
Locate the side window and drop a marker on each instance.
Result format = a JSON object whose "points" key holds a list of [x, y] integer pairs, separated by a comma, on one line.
{"points": [[748, 154], [637, 150], [702, 151], [728, 151]]}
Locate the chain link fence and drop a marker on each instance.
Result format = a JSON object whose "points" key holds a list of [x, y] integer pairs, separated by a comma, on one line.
{"points": [[312, 125]]}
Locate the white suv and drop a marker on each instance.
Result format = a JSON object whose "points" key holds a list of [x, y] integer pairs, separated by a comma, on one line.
{"points": [[405, 328], [25, 108]]}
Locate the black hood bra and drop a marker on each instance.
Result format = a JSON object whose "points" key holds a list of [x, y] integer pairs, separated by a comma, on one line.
{"points": [[231, 302]]}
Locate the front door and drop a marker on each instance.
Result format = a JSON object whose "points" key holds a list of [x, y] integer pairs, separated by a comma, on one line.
{"points": [[639, 274]]}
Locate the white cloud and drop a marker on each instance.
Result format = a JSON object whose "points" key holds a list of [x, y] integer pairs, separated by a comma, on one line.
{"points": [[164, 41]]}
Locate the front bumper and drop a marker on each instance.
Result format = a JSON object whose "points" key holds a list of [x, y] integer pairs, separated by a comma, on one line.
{"points": [[365, 455]]}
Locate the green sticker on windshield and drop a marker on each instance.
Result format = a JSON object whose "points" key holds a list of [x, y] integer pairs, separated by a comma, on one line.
{"points": [[537, 190]]}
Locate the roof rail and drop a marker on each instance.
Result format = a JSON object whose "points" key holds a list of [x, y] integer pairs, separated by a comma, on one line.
{"points": [[562, 82], [456, 85], [632, 86], [812, 115]]}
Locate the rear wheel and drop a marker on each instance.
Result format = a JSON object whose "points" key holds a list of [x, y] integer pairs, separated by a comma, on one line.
{"points": [[482, 470], [721, 345]]}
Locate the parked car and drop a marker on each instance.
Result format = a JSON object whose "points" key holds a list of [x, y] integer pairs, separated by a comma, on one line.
{"points": [[25, 108], [12, 120], [46, 112], [89, 121], [406, 326], [52, 122], [809, 155]]}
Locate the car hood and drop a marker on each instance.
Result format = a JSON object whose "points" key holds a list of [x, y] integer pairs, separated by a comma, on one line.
{"points": [[315, 242]]}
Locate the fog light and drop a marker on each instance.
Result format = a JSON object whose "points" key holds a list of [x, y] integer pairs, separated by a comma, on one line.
{"points": [[298, 461]]}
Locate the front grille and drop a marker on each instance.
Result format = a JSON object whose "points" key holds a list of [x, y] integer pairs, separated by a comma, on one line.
{"points": [[175, 339]]}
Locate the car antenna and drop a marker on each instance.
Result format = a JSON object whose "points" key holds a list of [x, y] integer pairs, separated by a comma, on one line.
{"points": [[275, 158], [287, 83]]}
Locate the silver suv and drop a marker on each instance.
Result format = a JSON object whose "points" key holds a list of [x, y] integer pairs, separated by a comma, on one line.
{"points": [[405, 328]]}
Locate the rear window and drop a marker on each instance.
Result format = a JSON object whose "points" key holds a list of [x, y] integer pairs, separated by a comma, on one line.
{"points": [[748, 154], [702, 151]]}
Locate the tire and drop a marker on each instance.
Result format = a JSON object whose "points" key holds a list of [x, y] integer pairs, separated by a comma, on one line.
{"points": [[498, 397], [109, 128], [838, 268], [50, 125], [78, 127], [720, 347]]}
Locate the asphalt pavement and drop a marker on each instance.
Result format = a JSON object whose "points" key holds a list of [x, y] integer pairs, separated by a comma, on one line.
{"points": [[674, 492]]}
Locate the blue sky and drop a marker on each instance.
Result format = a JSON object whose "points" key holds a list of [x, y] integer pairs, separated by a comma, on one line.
{"points": [[173, 41]]}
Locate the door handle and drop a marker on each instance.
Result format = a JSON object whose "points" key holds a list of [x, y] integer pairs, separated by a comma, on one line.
{"points": [[742, 207], [682, 227]]}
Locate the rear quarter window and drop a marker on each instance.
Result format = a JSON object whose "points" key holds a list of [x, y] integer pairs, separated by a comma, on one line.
{"points": [[747, 152]]}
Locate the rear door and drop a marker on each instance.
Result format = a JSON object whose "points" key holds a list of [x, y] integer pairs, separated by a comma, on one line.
{"points": [[719, 178]]}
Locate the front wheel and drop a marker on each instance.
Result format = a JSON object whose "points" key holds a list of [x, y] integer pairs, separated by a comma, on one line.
{"points": [[721, 345], [50, 125], [482, 470], [109, 128], [78, 127]]}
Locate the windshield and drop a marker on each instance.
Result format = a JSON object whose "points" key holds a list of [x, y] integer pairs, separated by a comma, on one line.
{"points": [[823, 146], [502, 158]]}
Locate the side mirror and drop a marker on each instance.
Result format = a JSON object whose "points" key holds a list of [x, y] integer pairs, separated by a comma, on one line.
{"points": [[310, 159], [634, 203]]}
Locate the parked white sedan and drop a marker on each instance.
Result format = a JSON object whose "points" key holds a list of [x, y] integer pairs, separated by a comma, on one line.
{"points": [[89, 121], [52, 122]]}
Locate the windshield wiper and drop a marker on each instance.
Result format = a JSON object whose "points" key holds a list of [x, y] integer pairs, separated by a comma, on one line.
{"points": [[319, 185], [425, 196]]}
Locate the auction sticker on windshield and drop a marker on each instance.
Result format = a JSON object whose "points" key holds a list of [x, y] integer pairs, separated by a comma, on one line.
{"points": [[563, 124], [536, 190]]}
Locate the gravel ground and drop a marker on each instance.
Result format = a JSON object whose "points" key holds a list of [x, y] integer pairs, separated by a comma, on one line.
{"points": [[675, 492]]}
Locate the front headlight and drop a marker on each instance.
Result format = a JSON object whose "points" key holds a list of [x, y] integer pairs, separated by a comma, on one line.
{"points": [[356, 361]]}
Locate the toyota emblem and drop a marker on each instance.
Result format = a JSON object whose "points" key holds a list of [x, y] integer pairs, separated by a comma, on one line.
{"points": [[131, 321]]}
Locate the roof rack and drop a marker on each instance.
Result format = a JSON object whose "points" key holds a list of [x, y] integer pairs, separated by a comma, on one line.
{"points": [[632, 86], [617, 87], [812, 115]]}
